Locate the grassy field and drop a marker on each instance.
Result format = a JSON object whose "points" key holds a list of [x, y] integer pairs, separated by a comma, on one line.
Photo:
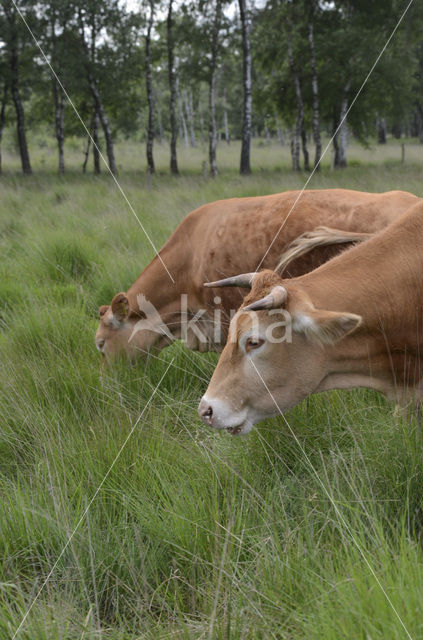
{"points": [[193, 534]]}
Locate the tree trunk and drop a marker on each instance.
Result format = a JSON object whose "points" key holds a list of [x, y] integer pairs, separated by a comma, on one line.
{"points": [[266, 129], [295, 144], [245, 167], [20, 122], [86, 155], [98, 104], [225, 118], [315, 91], [172, 87], [279, 134], [181, 112], [59, 101], [189, 107], [396, 130], [212, 128], [335, 122], [200, 114], [14, 85], [105, 126], [226, 126], [96, 145], [2, 120], [59, 106], [295, 150], [160, 122], [340, 133], [150, 97], [414, 125], [305, 150], [343, 133], [212, 83], [381, 131]]}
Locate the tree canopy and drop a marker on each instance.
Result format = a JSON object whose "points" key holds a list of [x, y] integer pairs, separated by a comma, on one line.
{"points": [[308, 60]]}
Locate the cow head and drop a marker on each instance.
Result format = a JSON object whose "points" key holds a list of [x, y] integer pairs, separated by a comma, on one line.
{"points": [[124, 331], [276, 354]]}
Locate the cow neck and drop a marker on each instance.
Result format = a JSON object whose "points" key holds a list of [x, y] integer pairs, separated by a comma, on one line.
{"points": [[155, 284], [379, 279]]}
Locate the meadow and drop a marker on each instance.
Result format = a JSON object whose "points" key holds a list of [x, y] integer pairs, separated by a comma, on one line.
{"points": [[193, 534]]}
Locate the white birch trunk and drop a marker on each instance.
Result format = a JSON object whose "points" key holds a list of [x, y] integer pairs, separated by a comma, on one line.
{"points": [[245, 167]]}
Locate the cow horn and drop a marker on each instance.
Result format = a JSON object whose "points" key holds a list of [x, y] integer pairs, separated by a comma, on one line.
{"points": [[273, 300], [243, 280]]}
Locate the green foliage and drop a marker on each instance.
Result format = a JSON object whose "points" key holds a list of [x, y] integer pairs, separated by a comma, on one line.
{"points": [[349, 36], [194, 534]]}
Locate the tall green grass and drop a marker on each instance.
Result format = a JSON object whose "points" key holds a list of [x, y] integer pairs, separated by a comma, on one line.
{"points": [[194, 534]]}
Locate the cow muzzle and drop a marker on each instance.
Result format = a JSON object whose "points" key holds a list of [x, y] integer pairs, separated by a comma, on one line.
{"points": [[218, 414]]}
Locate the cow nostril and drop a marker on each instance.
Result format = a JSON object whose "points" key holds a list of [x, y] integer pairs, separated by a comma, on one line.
{"points": [[100, 344], [207, 413]]}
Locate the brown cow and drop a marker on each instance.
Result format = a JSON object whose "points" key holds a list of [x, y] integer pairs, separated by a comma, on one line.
{"points": [[354, 322], [223, 238]]}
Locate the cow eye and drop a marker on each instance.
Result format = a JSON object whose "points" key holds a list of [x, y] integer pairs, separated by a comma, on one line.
{"points": [[253, 343]]}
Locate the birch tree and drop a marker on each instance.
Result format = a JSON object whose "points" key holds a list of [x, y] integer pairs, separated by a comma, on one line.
{"points": [[57, 18], [225, 117], [149, 87], [295, 142], [214, 50], [3, 105], [189, 107], [96, 142], [245, 167], [315, 88], [181, 109], [172, 88], [340, 131], [13, 39], [91, 22], [299, 132]]}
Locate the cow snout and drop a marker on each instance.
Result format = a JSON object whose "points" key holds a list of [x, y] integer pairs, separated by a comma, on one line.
{"points": [[217, 413], [100, 342], [205, 411]]}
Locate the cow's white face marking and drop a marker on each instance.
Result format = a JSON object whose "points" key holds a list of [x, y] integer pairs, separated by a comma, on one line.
{"points": [[221, 415]]}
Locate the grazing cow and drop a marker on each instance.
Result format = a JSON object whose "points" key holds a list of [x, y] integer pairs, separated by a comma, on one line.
{"points": [[356, 321], [227, 237]]}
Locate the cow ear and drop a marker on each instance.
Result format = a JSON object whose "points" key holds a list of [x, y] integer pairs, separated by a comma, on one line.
{"points": [[102, 310], [325, 327], [120, 307]]}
